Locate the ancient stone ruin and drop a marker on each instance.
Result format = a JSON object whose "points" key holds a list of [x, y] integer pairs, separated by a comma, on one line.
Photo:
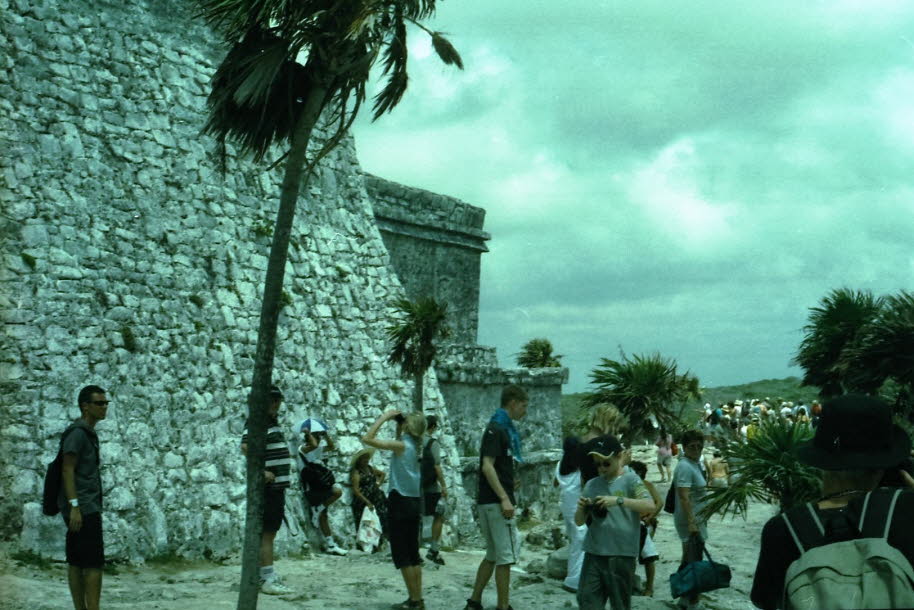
{"points": [[131, 262]]}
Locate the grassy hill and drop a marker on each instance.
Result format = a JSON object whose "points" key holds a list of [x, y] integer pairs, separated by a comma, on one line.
{"points": [[775, 389]]}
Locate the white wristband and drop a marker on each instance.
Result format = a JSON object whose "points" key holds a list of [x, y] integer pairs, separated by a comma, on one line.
{"points": [[74, 503]]}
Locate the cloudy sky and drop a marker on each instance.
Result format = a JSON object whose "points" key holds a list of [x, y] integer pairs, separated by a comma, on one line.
{"points": [[686, 178]]}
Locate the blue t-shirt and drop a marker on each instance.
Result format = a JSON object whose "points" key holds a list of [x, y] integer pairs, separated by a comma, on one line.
{"points": [[404, 470]]}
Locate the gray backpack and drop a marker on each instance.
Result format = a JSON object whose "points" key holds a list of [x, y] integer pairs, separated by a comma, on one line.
{"points": [[865, 572]]}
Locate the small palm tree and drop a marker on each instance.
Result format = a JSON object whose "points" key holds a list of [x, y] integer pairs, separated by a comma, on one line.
{"points": [[765, 468], [537, 354], [643, 387], [412, 340], [831, 334]]}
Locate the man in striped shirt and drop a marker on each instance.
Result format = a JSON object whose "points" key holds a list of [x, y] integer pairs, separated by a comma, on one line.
{"points": [[277, 479]]}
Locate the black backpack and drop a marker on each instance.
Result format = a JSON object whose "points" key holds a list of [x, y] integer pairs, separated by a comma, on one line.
{"points": [[52, 480], [429, 476]]}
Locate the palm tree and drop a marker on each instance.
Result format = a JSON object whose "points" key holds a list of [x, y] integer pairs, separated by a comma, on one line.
{"points": [[643, 387], [412, 340], [884, 349], [765, 468], [262, 96], [537, 354], [831, 334]]}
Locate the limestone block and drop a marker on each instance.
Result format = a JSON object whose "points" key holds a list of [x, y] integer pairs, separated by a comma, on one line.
{"points": [[119, 498]]}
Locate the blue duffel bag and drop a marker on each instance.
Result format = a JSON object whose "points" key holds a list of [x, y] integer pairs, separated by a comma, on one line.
{"points": [[699, 576]]}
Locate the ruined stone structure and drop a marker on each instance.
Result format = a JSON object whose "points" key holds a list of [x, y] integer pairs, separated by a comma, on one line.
{"points": [[130, 262]]}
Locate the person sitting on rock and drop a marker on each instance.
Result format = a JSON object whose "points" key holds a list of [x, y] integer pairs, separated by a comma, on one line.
{"points": [[318, 480]]}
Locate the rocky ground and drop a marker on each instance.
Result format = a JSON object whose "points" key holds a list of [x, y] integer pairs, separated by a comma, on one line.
{"points": [[370, 581]]}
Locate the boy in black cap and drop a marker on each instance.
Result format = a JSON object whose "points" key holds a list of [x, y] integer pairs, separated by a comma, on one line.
{"points": [[854, 444], [611, 506]]}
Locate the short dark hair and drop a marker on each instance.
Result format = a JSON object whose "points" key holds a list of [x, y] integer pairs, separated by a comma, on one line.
{"points": [[512, 392], [431, 421], [690, 436], [639, 467], [85, 394]]}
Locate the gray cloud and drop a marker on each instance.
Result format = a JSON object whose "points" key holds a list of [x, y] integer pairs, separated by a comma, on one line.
{"points": [[688, 178]]}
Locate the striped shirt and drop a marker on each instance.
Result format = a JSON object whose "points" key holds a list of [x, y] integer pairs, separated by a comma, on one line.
{"points": [[278, 458]]}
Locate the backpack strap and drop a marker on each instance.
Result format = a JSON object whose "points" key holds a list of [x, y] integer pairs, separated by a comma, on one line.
{"points": [[874, 526], [812, 538]]}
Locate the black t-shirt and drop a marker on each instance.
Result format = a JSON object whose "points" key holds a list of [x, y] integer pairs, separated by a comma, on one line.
{"points": [[778, 550], [571, 458], [496, 444]]}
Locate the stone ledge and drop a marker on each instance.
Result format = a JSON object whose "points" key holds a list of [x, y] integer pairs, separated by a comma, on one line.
{"points": [[455, 372]]}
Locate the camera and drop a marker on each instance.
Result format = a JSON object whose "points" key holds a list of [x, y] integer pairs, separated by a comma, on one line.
{"points": [[595, 511], [399, 418]]}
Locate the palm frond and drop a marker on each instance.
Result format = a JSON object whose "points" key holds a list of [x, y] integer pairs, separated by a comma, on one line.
{"points": [[537, 353], [412, 338], [446, 50], [394, 67], [765, 468]]}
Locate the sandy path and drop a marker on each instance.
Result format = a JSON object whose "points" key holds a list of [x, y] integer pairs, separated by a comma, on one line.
{"points": [[370, 582]]}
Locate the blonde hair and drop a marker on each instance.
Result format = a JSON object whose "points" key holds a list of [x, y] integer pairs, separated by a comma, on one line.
{"points": [[608, 419], [415, 425]]}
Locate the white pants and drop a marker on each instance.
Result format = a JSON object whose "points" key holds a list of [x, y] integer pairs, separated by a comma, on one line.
{"points": [[570, 492]]}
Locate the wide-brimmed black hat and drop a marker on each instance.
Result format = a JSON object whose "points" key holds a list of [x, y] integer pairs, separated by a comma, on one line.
{"points": [[856, 432]]}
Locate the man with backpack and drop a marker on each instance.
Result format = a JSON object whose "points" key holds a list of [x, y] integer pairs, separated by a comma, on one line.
{"points": [[80, 499], [854, 547], [434, 488]]}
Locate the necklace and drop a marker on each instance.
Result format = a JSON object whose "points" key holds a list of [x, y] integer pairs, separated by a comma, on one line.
{"points": [[846, 492]]}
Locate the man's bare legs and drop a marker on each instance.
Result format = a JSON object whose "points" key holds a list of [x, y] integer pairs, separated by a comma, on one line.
{"points": [[502, 582], [85, 587], [266, 548]]}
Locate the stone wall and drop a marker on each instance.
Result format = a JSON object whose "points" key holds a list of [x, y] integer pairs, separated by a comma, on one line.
{"points": [[131, 263], [435, 243], [472, 393]]}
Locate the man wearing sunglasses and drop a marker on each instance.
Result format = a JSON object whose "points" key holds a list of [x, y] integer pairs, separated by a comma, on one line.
{"points": [[80, 499]]}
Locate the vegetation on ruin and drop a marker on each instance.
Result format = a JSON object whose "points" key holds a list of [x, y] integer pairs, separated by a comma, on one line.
{"points": [[419, 325], [537, 354]]}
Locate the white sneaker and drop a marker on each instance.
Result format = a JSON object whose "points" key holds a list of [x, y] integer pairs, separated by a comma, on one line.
{"points": [[274, 586], [332, 548]]}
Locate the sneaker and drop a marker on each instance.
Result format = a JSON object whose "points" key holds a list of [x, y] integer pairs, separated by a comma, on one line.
{"points": [[274, 586], [435, 557], [409, 605], [473, 605], [332, 548]]}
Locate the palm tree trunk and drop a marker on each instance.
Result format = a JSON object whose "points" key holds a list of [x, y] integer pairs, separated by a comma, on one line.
{"points": [[418, 393], [292, 182]]}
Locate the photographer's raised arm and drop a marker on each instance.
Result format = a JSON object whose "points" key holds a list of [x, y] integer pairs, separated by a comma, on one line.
{"points": [[370, 437]]}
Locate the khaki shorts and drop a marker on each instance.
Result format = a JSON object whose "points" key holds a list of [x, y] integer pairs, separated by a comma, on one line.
{"points": [[500, 535]]}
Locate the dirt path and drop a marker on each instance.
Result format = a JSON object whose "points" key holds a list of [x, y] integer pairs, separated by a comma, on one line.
{"points": [[370, 582]]}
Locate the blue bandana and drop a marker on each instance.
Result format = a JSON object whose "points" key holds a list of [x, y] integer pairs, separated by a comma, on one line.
{"points": [[503, 420]]}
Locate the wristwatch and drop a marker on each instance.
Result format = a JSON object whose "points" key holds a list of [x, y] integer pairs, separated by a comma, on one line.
{"points": [[620, 500], [74, 503]]}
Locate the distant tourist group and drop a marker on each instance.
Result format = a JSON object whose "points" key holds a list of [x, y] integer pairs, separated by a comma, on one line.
{"points": [[852, 548]]}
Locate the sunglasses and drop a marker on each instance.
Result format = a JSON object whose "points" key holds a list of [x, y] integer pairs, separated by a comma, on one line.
{"points": [[100, 403]]}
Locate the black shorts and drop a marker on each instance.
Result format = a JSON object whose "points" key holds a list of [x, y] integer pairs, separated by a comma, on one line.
{"points": [[274, 509], [431, 503], [404, 523], [317, 496], [85, 548]]}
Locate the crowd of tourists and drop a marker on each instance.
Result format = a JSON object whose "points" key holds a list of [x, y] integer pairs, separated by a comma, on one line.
{"points": [[610, 509]]}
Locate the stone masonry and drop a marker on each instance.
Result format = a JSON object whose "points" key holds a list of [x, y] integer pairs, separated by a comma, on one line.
{"points": [[130, 262]]}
